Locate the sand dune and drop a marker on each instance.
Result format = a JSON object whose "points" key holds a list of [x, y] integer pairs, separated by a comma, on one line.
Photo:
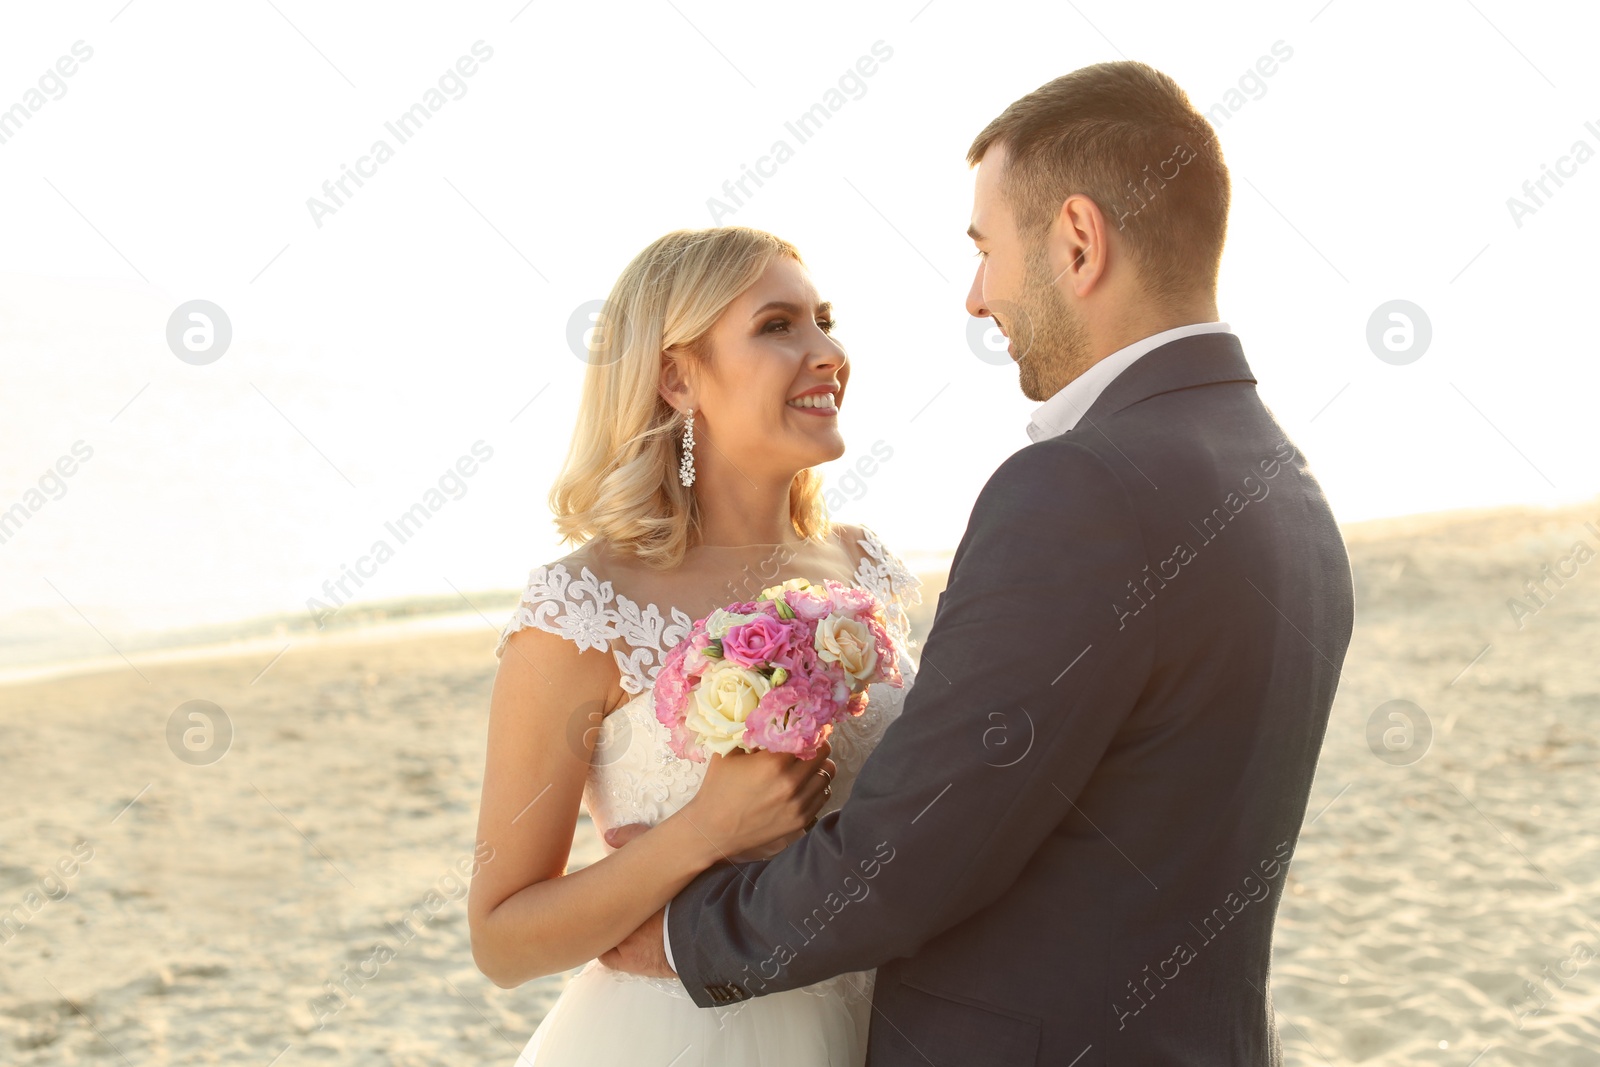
{"points": [[301, 897]]}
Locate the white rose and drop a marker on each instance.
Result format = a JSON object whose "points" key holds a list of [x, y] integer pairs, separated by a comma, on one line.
{"points": [[719, 705], [775, 592], [848, 643], [719, 622]]}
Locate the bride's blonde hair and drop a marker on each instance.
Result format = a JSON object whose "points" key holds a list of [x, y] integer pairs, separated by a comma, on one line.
{"points": [[620, 478]]}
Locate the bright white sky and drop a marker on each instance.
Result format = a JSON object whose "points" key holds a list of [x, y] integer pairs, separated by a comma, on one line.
{"points": [[432, 309]]}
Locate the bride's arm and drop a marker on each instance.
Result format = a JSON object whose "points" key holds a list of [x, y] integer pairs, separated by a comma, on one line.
{"points": [[528, 917]]}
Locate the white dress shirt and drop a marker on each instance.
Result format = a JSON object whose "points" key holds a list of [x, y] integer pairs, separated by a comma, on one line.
{"points": [[1058, 415], [1061, 412], [665, 940]]}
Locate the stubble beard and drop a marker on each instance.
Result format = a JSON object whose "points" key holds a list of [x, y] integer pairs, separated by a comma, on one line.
{"points": [[1055, 348]]}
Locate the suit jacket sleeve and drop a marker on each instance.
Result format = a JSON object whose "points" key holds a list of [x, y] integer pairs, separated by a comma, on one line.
{"points": [[1024, 679]]}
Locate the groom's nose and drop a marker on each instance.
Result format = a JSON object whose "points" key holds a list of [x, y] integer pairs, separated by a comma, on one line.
{"points": [[975, 306]]}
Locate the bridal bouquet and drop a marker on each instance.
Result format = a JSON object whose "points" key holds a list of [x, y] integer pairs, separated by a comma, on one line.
{"points": [[775, 672]]}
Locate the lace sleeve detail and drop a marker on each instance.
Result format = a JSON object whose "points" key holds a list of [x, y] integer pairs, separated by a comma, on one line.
{"points": [[557, 603], [885, 575], [582, 611]]}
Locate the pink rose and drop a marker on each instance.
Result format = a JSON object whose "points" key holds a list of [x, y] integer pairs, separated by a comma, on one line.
{"points": [[757, 642]]}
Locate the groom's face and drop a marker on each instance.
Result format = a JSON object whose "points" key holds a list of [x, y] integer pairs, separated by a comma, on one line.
{"points": [[1015, 287]]}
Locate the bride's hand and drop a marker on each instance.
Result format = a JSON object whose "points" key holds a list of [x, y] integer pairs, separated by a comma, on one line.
{"points": [[759, 800]]}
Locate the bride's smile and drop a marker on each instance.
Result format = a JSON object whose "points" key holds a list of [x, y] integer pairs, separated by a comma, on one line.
{"points": [[821, 400]]}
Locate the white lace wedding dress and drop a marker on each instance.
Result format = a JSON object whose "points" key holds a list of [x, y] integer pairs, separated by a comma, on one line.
{"points": [[605, 1017]]}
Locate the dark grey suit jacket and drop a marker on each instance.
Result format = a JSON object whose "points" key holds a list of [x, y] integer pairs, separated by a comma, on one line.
{"points": [[1070, 846]]}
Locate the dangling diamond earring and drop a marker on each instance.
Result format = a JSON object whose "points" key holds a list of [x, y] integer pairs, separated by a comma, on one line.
{"points": [[686, 467]]}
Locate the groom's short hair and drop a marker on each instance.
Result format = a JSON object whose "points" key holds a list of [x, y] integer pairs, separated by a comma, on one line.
{"points": [[1126, 136]]}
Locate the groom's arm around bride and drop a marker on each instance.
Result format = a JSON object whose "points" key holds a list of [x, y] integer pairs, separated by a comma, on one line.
{"points": [[1073, 840]]}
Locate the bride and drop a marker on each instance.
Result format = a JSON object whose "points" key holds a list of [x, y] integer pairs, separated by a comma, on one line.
{"points": [[712, 393]]}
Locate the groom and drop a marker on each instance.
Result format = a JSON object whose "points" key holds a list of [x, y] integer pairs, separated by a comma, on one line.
{"points": [[1070, 846]]}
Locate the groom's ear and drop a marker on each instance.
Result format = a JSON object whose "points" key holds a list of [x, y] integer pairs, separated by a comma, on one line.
{"points": [[1079, 238]]}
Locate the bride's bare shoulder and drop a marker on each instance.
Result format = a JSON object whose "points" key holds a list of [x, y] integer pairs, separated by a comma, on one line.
{"points": [[851, 536], [864, 540], [848, 531], [584, 555], [608, 562], [597, 557]]}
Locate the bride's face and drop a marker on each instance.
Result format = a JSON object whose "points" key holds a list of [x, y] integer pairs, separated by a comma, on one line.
{"points": [[771, 346]]}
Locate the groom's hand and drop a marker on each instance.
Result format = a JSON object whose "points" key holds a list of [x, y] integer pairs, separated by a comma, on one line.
{"points": [[641, 952], [618, 836]]}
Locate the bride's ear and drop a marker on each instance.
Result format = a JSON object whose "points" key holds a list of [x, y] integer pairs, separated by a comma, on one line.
{"points": [[674, 388]]}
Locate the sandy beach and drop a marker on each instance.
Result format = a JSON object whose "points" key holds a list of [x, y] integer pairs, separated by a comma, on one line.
{"points": [[300, 899]]}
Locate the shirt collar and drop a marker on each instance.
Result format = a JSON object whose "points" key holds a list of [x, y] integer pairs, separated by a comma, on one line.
{"points": [[1063, 410]]}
